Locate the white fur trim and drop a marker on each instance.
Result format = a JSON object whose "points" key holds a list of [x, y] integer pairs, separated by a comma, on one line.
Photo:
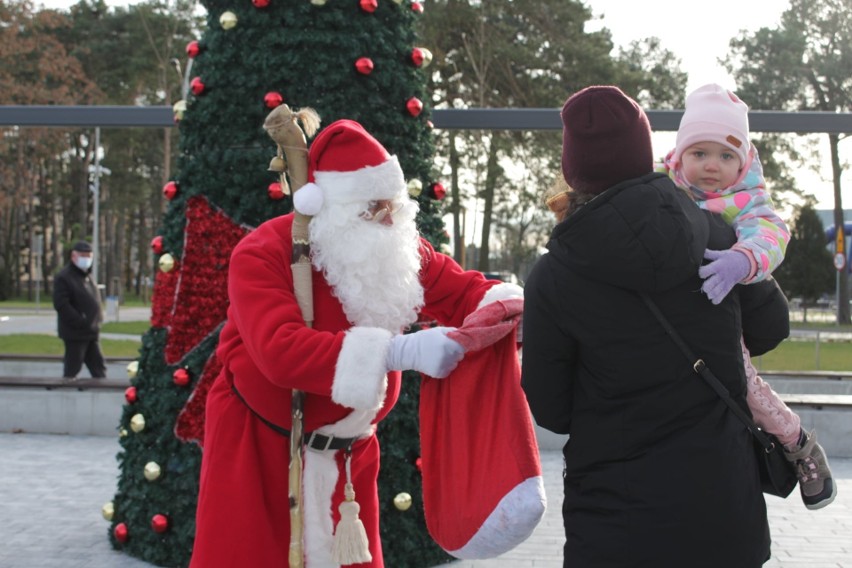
{"points": [[370, 183], [502, 291], [319, 479], [509, 524], [356, 424], [360, 377], [308, 199]]}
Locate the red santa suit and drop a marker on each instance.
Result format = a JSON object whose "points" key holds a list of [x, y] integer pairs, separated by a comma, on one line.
{"points": [[266, 350]]}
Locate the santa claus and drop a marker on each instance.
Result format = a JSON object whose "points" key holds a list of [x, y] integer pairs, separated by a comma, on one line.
{"points": [[372, 277]]}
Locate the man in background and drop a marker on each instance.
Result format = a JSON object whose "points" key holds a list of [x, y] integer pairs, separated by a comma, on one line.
{"points": [[79, 316]]}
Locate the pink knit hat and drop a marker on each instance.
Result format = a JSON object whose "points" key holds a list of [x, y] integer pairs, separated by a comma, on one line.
{"points": [[714, 114]]}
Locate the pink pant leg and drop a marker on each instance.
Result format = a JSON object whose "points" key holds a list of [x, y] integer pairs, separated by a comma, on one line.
{"points": [[769, 411]]}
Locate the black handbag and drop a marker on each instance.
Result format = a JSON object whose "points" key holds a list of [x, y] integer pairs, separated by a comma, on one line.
{"points": [[777, 473]]}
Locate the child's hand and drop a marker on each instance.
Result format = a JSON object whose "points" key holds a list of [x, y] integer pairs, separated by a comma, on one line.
{"points": [[729, 267]]}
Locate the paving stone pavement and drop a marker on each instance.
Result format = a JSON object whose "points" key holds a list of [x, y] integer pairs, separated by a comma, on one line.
{"points": [[52, 489]]}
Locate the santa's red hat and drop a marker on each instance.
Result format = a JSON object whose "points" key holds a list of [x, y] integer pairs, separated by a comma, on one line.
{"points": [[347, 164]]}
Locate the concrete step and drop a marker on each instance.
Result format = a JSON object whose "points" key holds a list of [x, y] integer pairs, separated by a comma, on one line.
{"points": [[27, 365], [44, 404], [79, 410], [819, 408], [814, 382]]}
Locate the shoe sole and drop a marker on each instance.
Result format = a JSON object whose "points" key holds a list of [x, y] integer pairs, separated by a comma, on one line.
{"points": [[825, 502]]}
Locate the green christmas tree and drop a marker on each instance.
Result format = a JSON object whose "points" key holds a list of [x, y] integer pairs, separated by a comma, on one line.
{"points": [[345, 59], [807, 271]]}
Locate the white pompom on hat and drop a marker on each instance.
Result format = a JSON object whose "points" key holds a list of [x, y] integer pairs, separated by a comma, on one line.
{"points": [[714, 114], [347, 164], [308, 200]]}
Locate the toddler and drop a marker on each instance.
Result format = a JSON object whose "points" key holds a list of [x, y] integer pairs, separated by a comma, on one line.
{"points": [[715, 162]]}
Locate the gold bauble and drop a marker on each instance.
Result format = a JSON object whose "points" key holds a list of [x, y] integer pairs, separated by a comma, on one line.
{"points": [[108, 511], [318, 2], [167, 262], [402, 501], [415, 186], [132, 369], [179, 108], [152, 471], [228, 20], [397, 1], [122, 432], [427, 57], [137, 423]]}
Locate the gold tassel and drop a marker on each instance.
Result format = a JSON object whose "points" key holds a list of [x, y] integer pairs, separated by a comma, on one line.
{"points": [[350, 545]]}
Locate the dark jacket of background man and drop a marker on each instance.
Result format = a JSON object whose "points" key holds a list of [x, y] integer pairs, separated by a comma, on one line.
{"points": [[78, 307]]}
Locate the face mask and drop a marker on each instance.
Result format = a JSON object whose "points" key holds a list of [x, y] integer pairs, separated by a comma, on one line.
{"points": [[83, 262]]}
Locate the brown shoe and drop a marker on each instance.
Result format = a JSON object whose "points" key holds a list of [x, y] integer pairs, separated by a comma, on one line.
{"points": [[815, 482]]}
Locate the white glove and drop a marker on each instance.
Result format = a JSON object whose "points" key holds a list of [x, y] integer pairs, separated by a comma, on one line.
{"points": [[429, 351]]}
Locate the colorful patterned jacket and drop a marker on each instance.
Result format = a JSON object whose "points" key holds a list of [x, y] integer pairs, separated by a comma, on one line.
{"points": [[747, 207]]}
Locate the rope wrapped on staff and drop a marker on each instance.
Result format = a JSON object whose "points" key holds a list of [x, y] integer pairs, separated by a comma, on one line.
{"points": [[282, 125]]}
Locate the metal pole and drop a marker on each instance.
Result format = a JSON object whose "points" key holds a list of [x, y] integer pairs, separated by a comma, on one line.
{"points": [[96, 189], [38, 292], [816, 348]]}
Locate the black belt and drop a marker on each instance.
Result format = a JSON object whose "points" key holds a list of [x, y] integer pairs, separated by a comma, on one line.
{"points": [[313, 440]]}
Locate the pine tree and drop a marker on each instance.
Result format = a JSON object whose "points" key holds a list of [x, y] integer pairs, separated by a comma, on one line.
{"points": [[252, 56], [807, 271]]}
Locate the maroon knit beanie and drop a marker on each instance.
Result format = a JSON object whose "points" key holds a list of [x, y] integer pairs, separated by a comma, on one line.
{"points": [[606, 139]]}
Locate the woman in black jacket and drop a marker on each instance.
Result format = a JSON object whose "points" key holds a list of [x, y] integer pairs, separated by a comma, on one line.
{"points": [[658, 471]]}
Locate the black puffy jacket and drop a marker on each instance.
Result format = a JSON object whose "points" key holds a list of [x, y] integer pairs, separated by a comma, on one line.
{"points": [[658, 471]]}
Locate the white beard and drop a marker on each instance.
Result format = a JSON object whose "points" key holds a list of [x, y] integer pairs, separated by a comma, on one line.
{"points": [[373, 269]]}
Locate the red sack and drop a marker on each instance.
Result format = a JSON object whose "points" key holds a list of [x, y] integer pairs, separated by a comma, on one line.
{"points": [[483, 493]]}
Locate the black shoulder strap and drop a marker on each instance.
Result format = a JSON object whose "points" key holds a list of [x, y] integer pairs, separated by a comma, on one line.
{"points": [[701, 369]]}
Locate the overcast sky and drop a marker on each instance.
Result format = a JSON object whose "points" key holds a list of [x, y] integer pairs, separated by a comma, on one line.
{"points": [[697, 33]]}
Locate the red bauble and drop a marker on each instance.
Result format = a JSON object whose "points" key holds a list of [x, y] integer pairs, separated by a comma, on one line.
{"points": [[180, 377], [417, 7], [120, 532], [414, 106], [364, 65], [273, 99], [418, 463], [157, 244], [170, 190], [430, 124], [369, 5], [160, 523], [438, 191], [417, 56], [260, 3], [275, 191], [197, 86], [193, 49], [130, 394]]}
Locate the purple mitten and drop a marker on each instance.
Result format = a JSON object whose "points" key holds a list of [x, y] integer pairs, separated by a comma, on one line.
{"points": [[729, 268]]}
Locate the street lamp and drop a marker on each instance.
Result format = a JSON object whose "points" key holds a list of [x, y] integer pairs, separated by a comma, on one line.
{"points": [[97, 171], [96, 189]]}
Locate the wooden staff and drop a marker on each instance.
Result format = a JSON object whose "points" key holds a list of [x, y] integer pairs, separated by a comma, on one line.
{"points": [[282, 125]]}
